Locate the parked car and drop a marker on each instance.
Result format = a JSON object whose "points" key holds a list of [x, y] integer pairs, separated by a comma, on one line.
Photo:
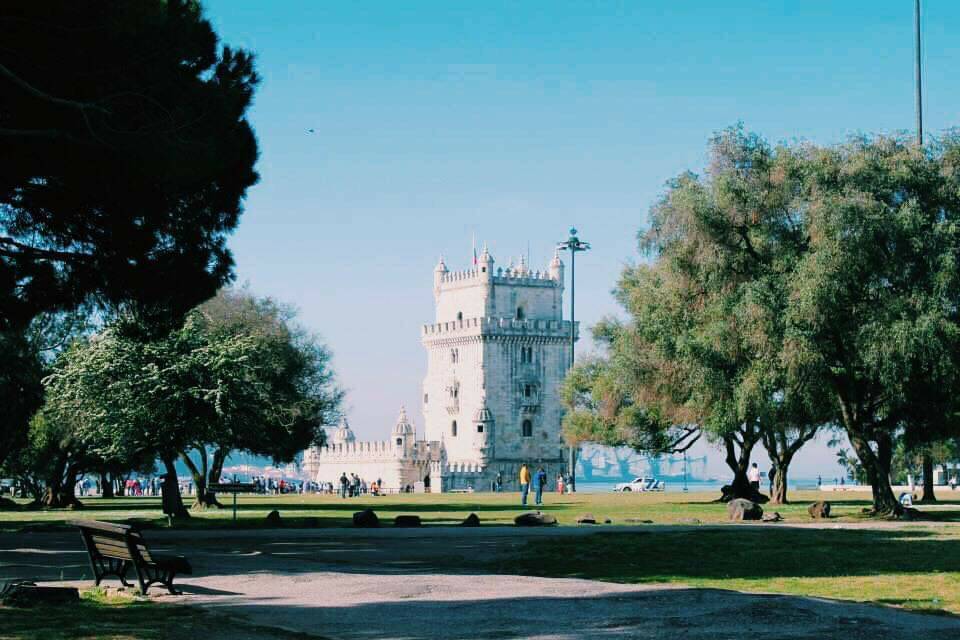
{"points": [[642, 483]]}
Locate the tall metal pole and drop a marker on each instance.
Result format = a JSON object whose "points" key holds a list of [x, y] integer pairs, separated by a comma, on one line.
{"points": [[573, 244], [916, 24], [572, 452]]}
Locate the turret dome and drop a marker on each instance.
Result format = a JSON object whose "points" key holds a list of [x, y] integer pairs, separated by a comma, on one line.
{"points": [[403, 426], [343, 433]]}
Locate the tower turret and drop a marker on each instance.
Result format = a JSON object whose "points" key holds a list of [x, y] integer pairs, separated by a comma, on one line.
{"points": [[403, 432], [343, 434], [483, 434], [438, 273], [485, 264], [556, 268]]}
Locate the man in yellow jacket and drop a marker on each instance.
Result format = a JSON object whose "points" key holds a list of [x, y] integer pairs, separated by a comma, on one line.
{"points": [[524, 484]]}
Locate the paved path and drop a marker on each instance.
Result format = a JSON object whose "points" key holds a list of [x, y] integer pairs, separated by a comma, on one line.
{"points": [[397, 584]]}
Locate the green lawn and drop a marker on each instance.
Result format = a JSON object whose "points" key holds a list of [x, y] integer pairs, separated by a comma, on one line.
{"points": [[910, 564], [444, 509], [123, 617], [914, 566]]}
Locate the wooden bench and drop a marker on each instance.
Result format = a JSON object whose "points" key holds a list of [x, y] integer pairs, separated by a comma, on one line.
{"points": [[114, 548]]}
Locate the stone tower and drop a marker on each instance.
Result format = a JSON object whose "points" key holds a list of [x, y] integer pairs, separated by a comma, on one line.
{"points": [[496, 355]]}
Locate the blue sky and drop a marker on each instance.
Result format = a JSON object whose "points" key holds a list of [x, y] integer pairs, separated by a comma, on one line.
{"points": [[433, 121]]}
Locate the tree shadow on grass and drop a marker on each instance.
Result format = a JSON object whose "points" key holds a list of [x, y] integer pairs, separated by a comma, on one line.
{"points": [[740, 553], [653, 613]]}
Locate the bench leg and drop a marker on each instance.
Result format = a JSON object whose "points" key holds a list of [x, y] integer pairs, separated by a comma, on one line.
{"points": [[156, 575]]}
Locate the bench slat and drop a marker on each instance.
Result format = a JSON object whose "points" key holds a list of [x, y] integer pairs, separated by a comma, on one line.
{"points": [[119, 529]]}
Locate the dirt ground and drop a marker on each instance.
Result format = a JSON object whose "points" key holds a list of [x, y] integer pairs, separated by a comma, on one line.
{"points": [[411, 585]]}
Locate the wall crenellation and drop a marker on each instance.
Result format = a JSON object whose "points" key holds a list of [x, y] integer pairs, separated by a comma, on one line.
{"points": [[504, 326]]}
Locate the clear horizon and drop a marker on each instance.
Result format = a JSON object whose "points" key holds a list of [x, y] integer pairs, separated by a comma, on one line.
{"points": [[392, 133]]}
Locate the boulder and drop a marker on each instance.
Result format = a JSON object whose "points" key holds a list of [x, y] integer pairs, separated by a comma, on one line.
{"points": [[608, 521], [27, 594], [366, 519], [472, 520], [587, 518], [819, 509], [689, 521], [273, 518], [534, 519], [740, 509], [406, 521], [772, 517]]}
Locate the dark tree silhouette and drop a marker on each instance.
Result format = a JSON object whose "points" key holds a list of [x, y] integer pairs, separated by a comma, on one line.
{"points": [[126, 154]]}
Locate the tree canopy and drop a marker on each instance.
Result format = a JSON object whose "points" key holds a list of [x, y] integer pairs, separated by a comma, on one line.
{"points": [[237, 375], [126, 157], [790, 288], [127, 154]]}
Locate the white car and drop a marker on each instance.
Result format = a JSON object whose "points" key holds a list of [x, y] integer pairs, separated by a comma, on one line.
{"points": [[639, 484]]}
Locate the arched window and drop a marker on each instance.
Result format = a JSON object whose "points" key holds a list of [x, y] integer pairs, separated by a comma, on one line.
{"points": [[479, 428], [459, 315], [453, 429], [527, 429], [399, 442], [526, 391], [454, 355], [519, 313]]}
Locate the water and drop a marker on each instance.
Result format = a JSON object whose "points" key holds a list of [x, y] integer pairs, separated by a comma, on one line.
{"points": [[676, 486]]}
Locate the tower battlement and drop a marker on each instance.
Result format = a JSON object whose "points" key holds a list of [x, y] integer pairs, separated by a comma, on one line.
{"points": [[503, 327], [509, 275]]}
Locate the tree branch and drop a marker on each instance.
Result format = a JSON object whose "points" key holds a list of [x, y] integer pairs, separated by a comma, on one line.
{"points": [[36, 93]]}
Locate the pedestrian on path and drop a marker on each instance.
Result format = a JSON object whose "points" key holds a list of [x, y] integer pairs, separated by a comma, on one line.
{"points": [[524, 484], [539, 483], [753, 475]]}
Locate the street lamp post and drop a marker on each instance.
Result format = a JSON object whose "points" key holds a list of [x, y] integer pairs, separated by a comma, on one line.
{"points": [[573, 244]]}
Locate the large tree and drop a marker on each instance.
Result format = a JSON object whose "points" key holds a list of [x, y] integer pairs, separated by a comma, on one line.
{"points": [[792, 287], [238, 374], [126, 156], [704, 340], [873, 302]]}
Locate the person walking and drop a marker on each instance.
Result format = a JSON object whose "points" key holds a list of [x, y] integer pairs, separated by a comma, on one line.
{"points": [[560, 483], [343, 485], [499, 482], [524, 484], [753, 475], [771, 474], [539, 484]]}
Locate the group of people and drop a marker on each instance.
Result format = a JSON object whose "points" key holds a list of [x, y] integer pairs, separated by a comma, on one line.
{"points": [[536, 482], [353, 485]]}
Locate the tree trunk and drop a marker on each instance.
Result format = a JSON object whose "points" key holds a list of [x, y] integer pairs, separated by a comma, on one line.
{"points": [[739, 463], [877, 467], [174, 499], [202, 498], [59, 492], [119, 484], [780, 482], [106, 485], [216, 470], [928, 495]]}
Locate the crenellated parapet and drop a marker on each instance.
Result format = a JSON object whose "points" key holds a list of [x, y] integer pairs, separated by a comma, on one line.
{"points": [[504, 328], [509, 275], [371, 450], [463, 467]]}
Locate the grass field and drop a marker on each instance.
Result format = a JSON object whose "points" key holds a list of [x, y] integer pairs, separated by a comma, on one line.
{"points": [[913, 566], [122, 617], [910, 564], [445, 509]]}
